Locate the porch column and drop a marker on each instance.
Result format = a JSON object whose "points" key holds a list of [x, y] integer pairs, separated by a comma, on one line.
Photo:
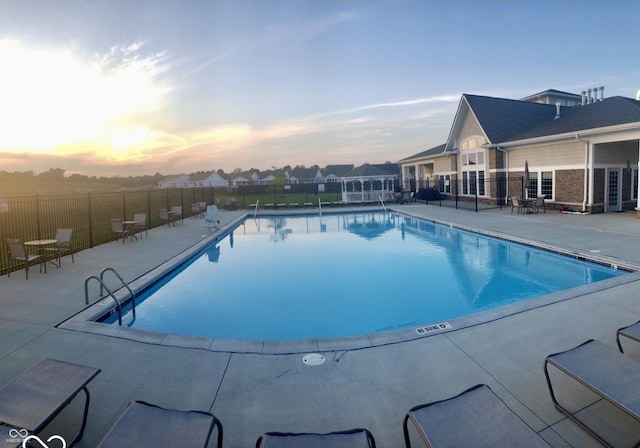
{"points": [[637, 192]]}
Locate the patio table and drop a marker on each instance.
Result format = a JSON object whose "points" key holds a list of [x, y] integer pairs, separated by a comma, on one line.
{"points": [[41, 245]]}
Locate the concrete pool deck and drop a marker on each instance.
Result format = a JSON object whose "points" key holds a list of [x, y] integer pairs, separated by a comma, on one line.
{"points": [[370, 387]]}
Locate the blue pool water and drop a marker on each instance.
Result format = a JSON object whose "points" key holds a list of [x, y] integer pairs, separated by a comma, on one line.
{"points": [[283, 278]]}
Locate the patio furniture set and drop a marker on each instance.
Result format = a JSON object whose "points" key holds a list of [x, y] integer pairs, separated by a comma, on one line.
{"points": [[48, 250], [124, 228], [528, 205], [475, 418]]}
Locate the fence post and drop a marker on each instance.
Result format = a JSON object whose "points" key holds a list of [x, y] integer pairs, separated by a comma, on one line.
{"points": [[38, 217], [124, 205], [90, 220]]}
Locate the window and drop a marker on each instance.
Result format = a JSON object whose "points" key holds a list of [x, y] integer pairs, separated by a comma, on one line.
{"points": [[472, 161], [540, 184], [532, 188], [546, 184]]}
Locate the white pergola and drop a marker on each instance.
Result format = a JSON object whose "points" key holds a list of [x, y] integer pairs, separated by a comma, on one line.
{"points": [[367, 183]]}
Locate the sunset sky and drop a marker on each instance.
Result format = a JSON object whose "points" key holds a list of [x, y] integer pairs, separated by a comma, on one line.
{"points": [[138, 87]]}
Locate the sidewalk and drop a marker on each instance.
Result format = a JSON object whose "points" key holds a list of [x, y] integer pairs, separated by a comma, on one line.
{"points": [[369, 387]]}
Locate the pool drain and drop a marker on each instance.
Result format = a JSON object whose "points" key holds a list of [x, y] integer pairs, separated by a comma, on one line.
{"points": [[313, 359]]}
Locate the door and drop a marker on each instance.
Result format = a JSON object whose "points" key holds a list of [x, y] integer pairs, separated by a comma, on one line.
{"points": [[613, 190]]}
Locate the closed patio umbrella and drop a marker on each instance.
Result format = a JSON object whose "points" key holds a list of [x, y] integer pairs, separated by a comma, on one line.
{"points": [[526, 177]]}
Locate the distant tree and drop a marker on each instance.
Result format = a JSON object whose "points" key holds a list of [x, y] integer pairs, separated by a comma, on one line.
{"points": [[53, 174], [237, 170]]}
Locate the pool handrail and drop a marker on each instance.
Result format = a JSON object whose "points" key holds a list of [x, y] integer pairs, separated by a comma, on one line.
{"points": [[102, 285], [382, 203]]}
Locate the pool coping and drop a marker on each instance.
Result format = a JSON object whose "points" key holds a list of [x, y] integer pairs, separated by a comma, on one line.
{"points": [[84, 321]]}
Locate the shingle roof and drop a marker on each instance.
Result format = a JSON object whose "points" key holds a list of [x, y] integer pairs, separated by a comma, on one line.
{"points": [[505, 120], [436, 150], [368, 170]]}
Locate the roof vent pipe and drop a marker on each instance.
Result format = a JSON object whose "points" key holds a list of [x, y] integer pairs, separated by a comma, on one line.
{"points": [[595, 94], [584, 97], [588, 96], [557, 110], [601, 92]]}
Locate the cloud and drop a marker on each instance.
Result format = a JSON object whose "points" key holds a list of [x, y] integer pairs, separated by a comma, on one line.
{"points": [[52, 97]]}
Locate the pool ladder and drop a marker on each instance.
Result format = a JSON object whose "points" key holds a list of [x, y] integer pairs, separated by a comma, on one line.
{"points": [[382, 203], [104, 287]]}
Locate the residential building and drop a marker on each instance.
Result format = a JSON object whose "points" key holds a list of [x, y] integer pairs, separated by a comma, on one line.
{"points": [[206, 179], [174, 181], [581, 157]]}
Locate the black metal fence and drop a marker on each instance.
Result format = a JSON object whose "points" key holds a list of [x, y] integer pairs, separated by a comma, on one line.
{"points": [[471, 194], [38, 217]]}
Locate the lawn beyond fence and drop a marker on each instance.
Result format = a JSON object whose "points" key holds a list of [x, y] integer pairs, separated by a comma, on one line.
{"points": [[38, 217]]}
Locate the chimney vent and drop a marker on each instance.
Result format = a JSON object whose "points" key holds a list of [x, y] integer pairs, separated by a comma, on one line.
{"points": [[584, 97], [557, 110]]}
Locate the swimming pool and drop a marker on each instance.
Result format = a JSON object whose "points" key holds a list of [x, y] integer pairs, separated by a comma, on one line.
{"points": [[286, 278]]}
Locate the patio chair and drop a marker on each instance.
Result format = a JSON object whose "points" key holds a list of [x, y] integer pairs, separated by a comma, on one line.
{"points": [[195, 210], [473, 419], [164, 217], [212, 218], [36, 396], [355, 438], [141, 223], [146, 425], [515, 203], [117, 228], [176, 213], [63, 245], [19, 253], [539, 204]]}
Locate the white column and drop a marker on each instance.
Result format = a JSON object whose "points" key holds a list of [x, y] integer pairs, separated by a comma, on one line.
{"points": [[637, 192]]}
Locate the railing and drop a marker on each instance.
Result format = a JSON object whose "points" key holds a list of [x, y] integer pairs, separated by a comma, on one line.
{"points": [[104, 287], [255, 212], [382, 203]]}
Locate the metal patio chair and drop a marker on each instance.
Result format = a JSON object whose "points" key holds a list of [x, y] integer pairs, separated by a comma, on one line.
{"points": [[63, 245], [19, 253]]}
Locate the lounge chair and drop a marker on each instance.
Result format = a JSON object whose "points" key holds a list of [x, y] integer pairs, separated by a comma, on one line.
{"points": [[117, 228], [212, 218], [355, 438], [609, 374], [141, 223], [144, 425], [63, 245], [19, 253], [630, 332], [36, 396], [475, 418]]}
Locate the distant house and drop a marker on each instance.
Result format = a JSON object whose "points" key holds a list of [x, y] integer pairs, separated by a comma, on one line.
{"points": [[243, 178], [206, 179], [266, 177], [174, 181], [333, 173], [581, 151], [305, 176]]}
